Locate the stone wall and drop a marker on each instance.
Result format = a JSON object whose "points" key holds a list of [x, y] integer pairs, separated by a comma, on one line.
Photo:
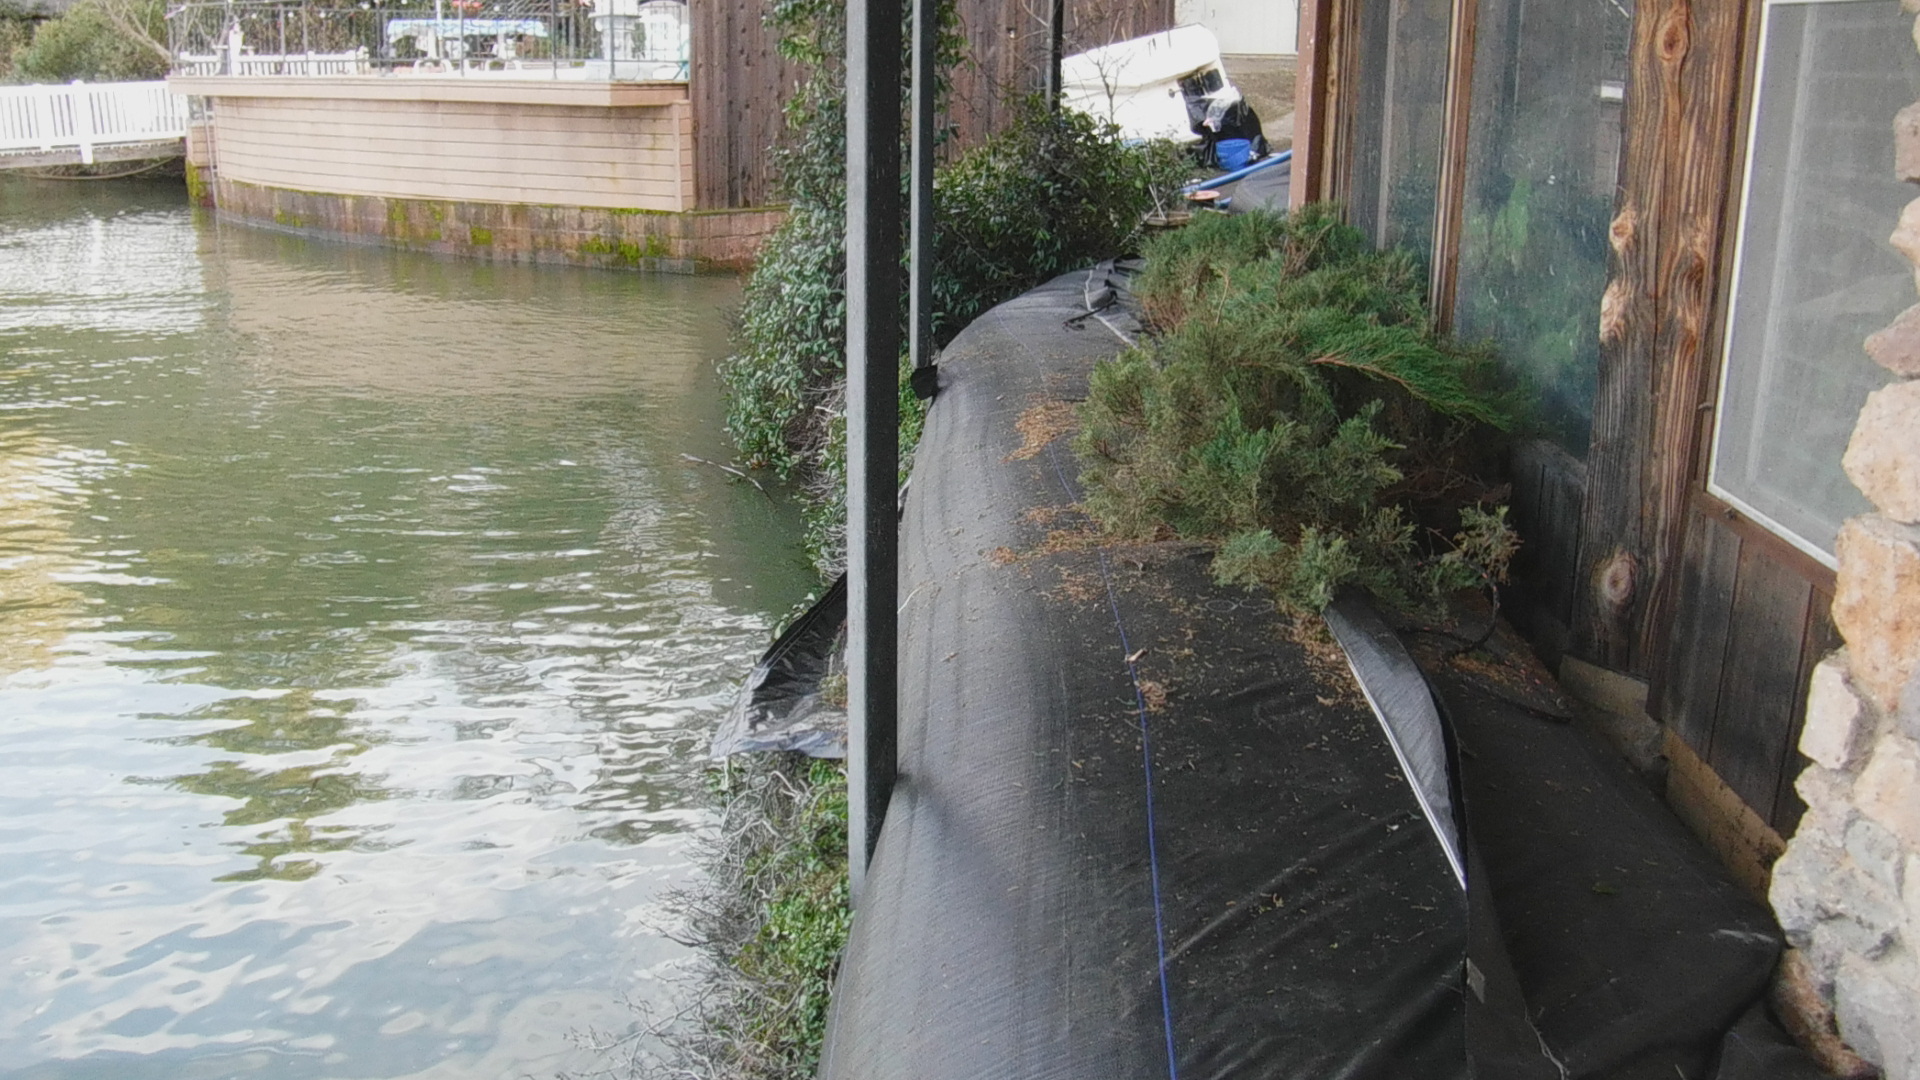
{"points": [[1847, 890]]}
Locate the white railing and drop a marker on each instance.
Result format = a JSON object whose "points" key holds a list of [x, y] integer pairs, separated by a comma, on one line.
{"points": [[246, 63], [82, 116]]}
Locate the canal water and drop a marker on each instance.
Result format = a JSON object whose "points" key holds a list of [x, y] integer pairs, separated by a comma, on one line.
{"points": [[361, 628]]}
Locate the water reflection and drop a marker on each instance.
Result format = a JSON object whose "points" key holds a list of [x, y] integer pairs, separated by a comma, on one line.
{"points": [[359, 621]]}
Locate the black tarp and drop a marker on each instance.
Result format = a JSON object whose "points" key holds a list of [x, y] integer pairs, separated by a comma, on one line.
{"points": [[781, 706], [1141, 830], [1145, 827]]}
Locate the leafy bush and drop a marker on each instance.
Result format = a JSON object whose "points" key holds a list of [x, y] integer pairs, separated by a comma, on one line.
{"points": [[1053, 192], [1295, 409]]}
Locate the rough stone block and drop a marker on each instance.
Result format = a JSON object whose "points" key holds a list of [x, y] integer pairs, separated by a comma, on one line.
{"points": [[1878, 1009], [1907, 717], [1837, 725], [1906, 143], [1876, 852], [1910, 899], [1883, 457], [1888, 790], [1876, 605], [1857, 918], [1906, 235], [1799, 879]]}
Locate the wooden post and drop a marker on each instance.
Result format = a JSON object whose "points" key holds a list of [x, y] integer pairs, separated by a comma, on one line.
{"points": [[1311, 94], [1450, 199], [873, 421], [1655, 322]]}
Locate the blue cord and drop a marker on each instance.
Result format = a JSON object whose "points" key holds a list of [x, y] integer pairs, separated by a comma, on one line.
{"points": [[1146, 767]]}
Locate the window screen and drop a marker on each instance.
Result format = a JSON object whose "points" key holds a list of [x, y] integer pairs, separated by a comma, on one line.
{"points": [[1543, 167], [1399, 121], [1815, 274]]}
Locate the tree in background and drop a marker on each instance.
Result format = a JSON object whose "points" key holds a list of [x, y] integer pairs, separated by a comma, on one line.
{"points": [[96, 41]]}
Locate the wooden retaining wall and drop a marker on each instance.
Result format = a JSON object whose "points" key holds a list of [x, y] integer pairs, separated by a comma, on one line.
{"points": [[498, 142]]}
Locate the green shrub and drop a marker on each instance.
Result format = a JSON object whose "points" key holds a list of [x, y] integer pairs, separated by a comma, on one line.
{"points": [[1295, 409], [1053, 192], [98, 41]]}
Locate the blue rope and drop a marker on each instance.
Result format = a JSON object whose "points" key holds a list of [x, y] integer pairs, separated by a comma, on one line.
{"points": [[1146, 768]]}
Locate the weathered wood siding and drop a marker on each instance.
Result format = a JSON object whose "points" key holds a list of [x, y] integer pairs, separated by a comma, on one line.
{"points": [[632, 157], [1749, 624], [739, 80], [1658, 321]]}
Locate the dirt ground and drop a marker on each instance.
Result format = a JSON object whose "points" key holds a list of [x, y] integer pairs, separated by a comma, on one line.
{"points": [[1267, 84]]}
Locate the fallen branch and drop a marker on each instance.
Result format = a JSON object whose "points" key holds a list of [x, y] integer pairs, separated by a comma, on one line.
{"points": [[728, 469]]}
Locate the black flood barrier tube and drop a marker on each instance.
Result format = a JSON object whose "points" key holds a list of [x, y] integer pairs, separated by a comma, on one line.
{"points": [[1142, 828]]}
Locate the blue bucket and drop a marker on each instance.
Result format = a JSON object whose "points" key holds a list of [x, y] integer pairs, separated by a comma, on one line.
{"points": [[1233, 153]]}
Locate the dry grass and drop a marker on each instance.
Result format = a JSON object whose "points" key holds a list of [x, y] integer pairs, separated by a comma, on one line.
{"points": [[1041, 423]]}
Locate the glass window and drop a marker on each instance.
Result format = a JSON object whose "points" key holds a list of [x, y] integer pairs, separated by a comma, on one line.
{"points": [[1814, 274], [1399, 121], [1543, 167]]}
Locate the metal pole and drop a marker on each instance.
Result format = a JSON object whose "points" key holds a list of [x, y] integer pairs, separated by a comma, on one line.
{"points": [[873, 420], [1056, 41], [926, 36]]}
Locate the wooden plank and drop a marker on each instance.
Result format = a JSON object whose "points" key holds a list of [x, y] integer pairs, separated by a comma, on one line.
{"points": [[1655, 321], [1741, 838], [1310, 99], [1752, 739], [1819, 638], [1687, 695], [1450, 198], [430, 122], [1548, 484], [393, 155]]}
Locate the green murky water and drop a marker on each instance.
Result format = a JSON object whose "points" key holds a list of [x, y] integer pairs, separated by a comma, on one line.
{"points": [[360, 631]]}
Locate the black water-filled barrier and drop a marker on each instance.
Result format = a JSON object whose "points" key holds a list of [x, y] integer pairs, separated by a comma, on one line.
{"points": [[1145, 827], [1140, 829]]}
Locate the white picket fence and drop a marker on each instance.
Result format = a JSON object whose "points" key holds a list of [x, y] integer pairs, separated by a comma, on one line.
{"points": [[82, 116]]}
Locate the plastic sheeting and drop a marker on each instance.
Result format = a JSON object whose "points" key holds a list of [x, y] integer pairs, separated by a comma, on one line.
{"points": [[1632, 949], [781, 706], [1140, 830]]}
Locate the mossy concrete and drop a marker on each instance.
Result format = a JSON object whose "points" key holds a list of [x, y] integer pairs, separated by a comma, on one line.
{"points": [[690, 242]]}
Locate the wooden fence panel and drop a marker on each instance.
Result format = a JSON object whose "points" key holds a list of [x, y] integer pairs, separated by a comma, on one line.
{"points": [[739, 80]]}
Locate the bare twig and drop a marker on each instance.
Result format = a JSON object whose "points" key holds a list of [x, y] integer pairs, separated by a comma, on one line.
{"points": [[741, 473]]}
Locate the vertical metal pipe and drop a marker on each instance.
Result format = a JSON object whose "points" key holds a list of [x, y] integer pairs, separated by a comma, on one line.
{"points": [[873, 420], [1056, 42], [926, 40]]}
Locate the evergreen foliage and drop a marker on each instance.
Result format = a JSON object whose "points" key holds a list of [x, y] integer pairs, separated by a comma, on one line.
{"points": [[1295, 409]]}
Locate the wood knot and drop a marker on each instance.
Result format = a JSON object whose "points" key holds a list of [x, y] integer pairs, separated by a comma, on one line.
{"points": [[1613, 312], [1620, 234], [1676, 34], [1617, 580]]}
